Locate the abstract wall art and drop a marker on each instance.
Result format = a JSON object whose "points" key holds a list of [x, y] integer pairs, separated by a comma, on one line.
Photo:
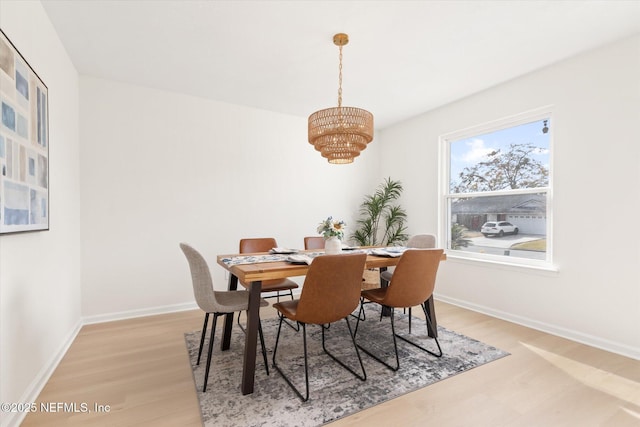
{"points": [[24, 144]]}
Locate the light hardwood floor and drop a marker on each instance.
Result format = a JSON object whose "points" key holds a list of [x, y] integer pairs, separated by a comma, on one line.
{"points": [[139, 367]]}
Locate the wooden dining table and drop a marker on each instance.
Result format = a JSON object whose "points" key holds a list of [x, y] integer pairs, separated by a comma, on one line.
{"points": [[253, 274]]}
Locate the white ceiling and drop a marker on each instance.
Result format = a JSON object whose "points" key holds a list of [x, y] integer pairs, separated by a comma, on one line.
{"points": [[404, 57]]}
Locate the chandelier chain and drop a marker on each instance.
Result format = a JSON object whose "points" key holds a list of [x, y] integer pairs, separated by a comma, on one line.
{"points": [[340, 80]]}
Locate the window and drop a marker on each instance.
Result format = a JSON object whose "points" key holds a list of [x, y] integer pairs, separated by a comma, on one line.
{"points": [[496, 190]]}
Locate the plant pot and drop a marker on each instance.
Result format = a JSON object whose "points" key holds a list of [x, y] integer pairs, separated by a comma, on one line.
{"points": [[332, 246]]}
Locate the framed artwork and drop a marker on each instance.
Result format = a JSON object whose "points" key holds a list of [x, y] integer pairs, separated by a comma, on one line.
{"points": [[24, 144]]}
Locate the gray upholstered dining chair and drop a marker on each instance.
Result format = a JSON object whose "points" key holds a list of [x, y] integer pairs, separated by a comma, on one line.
{"points": [[331, 291], [418, 241], [412, 284], [215, 302]]}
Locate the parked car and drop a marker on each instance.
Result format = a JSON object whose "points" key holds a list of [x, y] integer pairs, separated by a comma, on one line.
{"points": [[498, 228]]}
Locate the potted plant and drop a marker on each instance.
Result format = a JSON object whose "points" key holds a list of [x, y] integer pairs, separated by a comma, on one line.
{"points": [[381, 221]]}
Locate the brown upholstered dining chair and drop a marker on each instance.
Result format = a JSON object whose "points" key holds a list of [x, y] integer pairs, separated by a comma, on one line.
{"points": [[314, 242], [331, 291], [418, 241], [265, 244], [412, 284], [215, 302], [275, 285]]}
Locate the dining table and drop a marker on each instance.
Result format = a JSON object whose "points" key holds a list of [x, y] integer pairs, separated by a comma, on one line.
{"points": [[252, 268]]}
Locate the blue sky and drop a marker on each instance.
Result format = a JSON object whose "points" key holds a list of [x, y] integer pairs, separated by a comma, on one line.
{"points": [[470, 151]]}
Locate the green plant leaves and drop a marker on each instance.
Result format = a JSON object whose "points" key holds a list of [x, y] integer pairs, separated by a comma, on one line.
{"points": [[379, 209]]}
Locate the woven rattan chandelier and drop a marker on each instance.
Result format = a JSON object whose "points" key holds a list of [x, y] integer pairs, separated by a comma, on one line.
{"points": [[340, 133]]}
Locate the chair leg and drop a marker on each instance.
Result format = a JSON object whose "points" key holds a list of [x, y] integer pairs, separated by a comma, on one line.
{"points": [[363, 377], [264, 349], [295, 328], [306, 365], [213, 333], [289, 324], [239, 324], [204, 331], [361, 314], [429, 326], [277, 296], [395, 345], [409, 319], [359, 317]]}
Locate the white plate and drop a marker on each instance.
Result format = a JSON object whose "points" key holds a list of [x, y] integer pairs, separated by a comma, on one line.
{"points": [[299, 259], [283, 251]]}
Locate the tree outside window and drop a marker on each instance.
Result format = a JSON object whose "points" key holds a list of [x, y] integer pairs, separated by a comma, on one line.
{"points": [[496, 198]]}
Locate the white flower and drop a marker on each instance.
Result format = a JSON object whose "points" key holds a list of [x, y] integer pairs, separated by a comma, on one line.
{"points": [[330, 228]]}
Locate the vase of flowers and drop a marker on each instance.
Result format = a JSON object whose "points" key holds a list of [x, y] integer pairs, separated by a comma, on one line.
{"points": [[333, 233]]}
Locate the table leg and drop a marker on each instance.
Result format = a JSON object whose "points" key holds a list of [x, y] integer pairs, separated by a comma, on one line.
{"points": [[251, 337], [228, 318], [431, 311]]}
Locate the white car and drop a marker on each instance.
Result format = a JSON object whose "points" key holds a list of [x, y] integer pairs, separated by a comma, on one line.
{"points": [[498, 228]]}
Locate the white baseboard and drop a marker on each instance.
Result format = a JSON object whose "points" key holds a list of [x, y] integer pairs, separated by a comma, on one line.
{"points": [[33, 390], [152, 311], [572, 335], [122, 315]]}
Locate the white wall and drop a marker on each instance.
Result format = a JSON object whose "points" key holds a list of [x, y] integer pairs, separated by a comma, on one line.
{"points": [[159, 168], [40, 271], [595, 295]]}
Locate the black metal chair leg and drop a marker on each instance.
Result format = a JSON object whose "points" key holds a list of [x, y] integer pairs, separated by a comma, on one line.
{"points": [[289, 324], [306, 367], [213, 333], [361, 314], [429, 326], [359, 317], [239, 324], [395, 345], [264, 348], [204, 331], [395, 342], [363, 377], [306, 363], [295, 328]]}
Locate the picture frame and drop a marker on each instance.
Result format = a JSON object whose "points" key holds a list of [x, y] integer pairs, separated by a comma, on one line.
{"points": [[24, 144]]}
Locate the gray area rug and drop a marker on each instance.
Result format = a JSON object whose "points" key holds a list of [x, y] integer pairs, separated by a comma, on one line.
{"points": [[334, 392]]}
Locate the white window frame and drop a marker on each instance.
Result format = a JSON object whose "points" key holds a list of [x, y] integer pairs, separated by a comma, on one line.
{"points": [[445, 195]]}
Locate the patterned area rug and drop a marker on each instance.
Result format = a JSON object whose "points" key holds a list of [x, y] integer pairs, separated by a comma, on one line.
{"points": [[334, 392]]}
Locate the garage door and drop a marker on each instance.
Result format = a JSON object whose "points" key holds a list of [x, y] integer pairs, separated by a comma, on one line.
{"points": [[529, 224]]}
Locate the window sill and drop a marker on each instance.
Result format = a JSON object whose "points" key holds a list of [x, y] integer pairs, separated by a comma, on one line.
{"points": [[541, 267]]}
